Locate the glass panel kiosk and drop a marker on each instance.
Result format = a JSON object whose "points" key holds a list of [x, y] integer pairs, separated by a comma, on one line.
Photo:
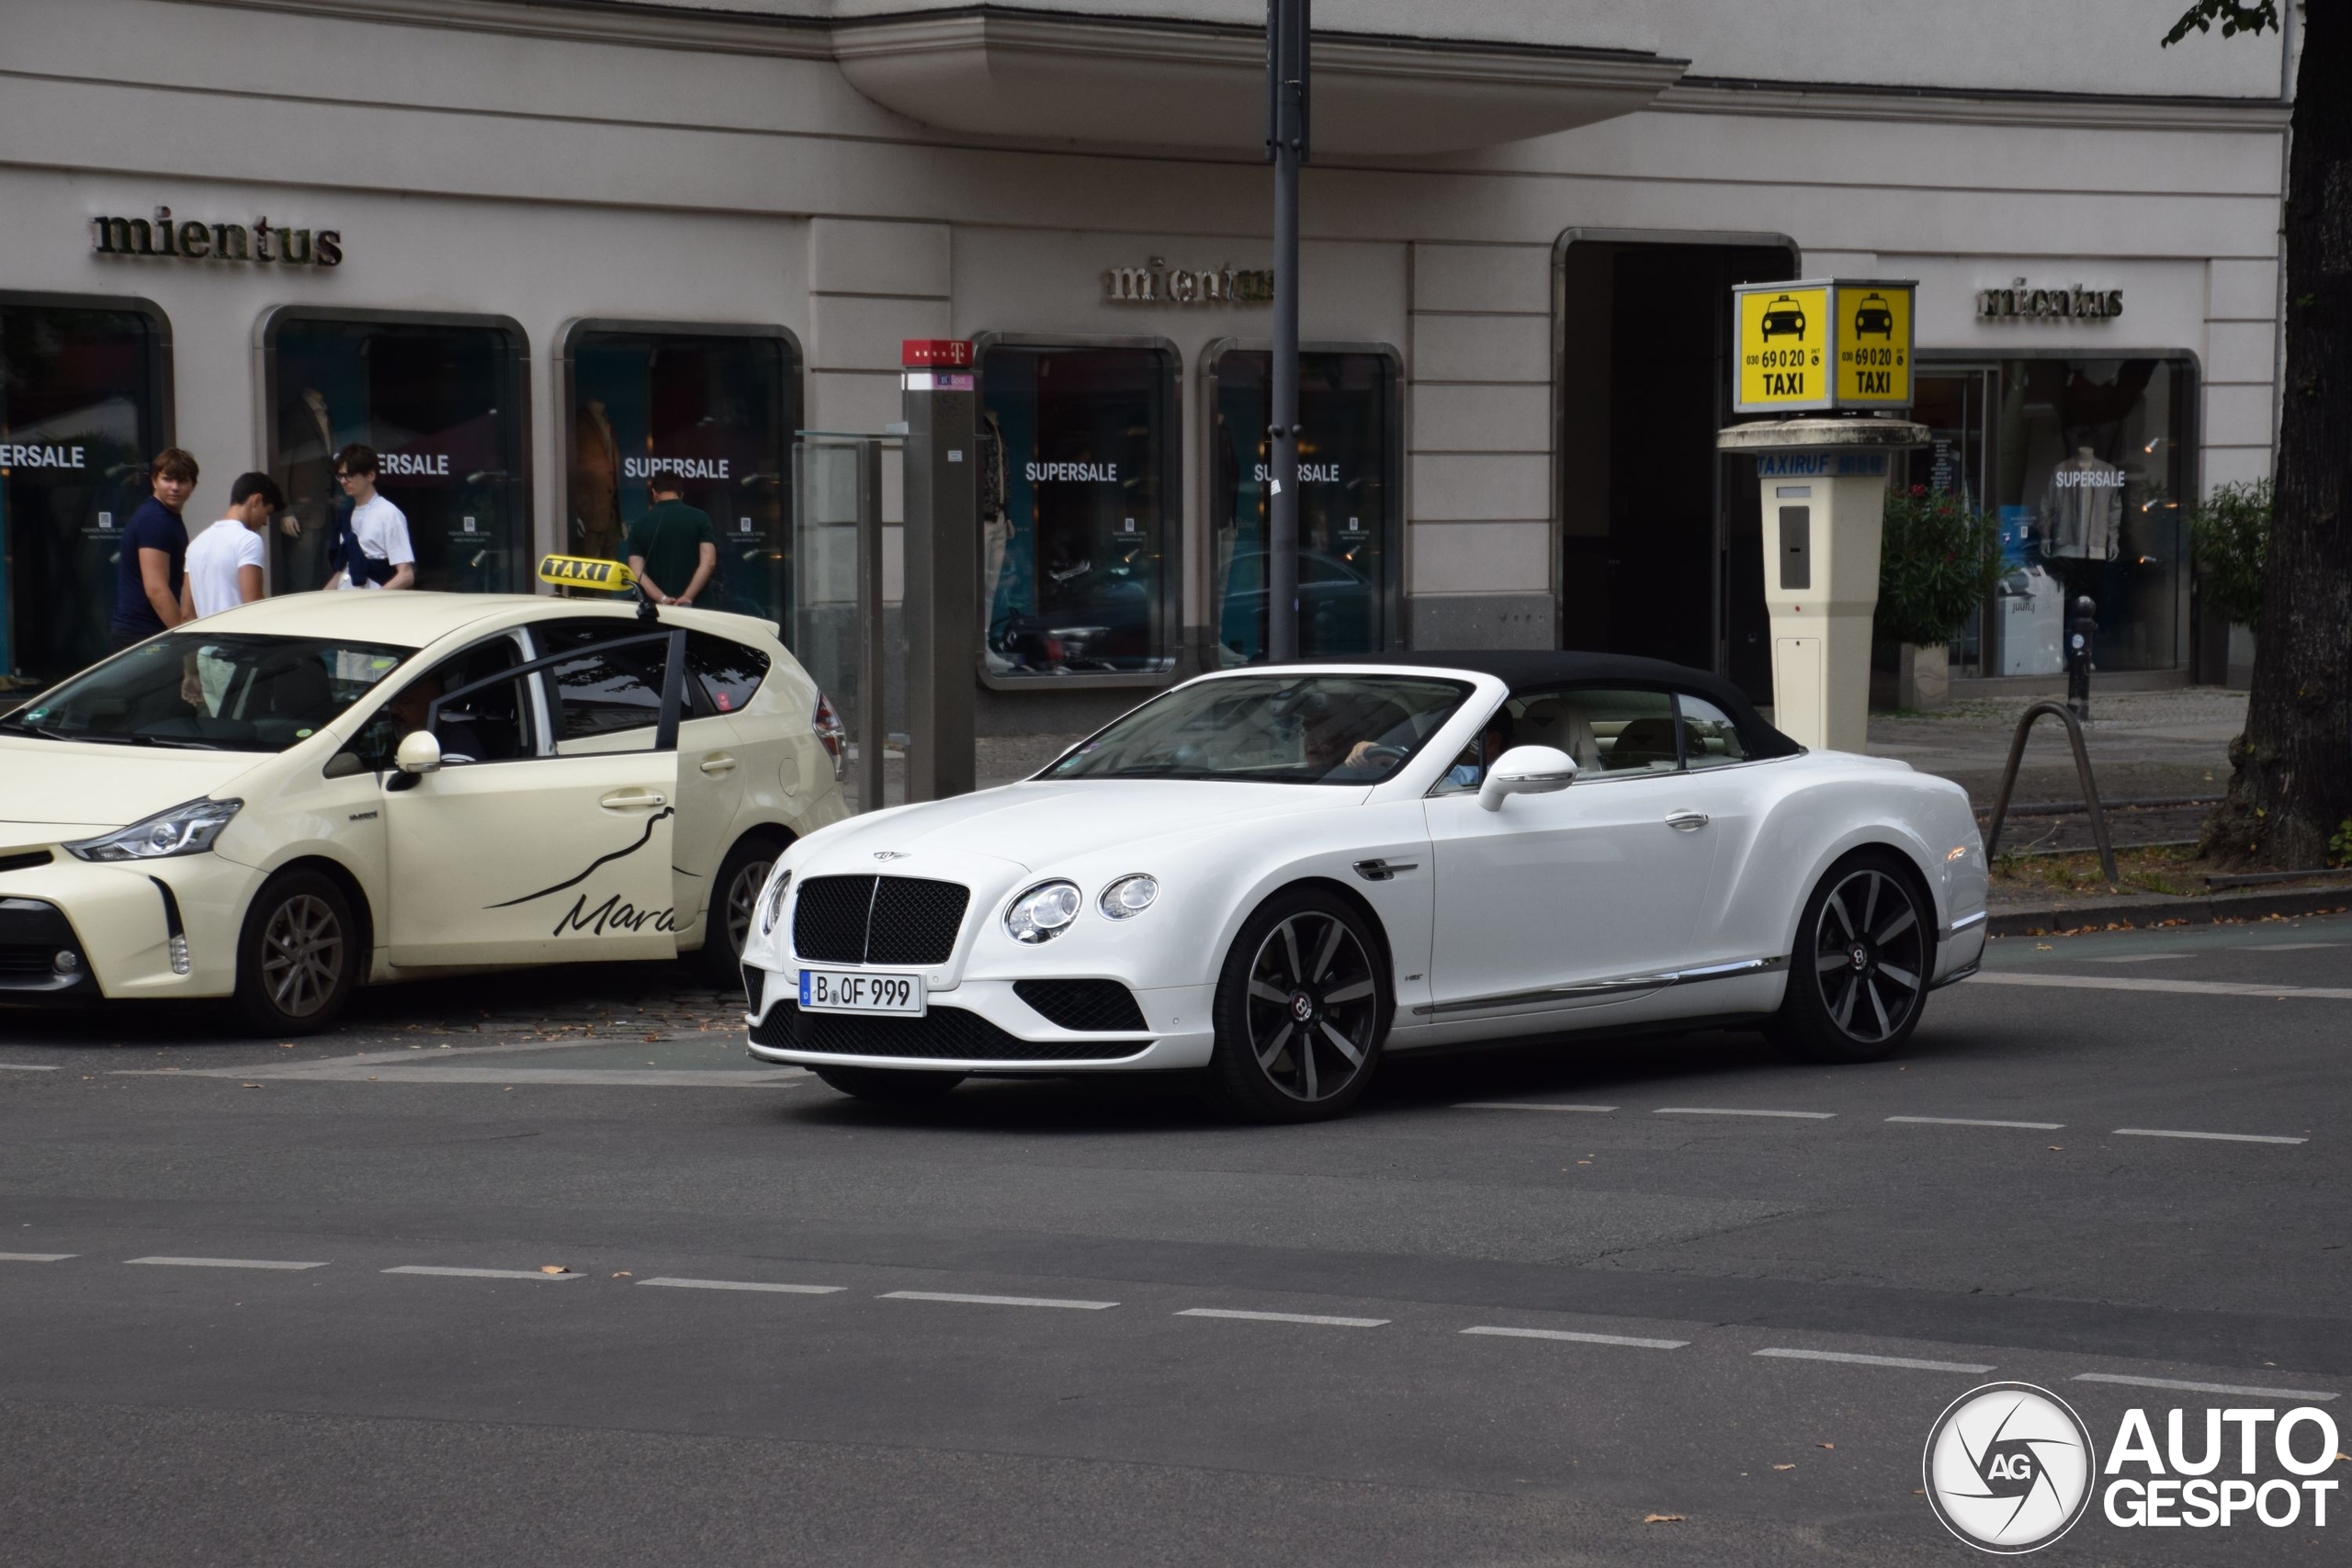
{"points": [[1351, 485], [1078, 510], [84, 403], [710, 409], [442, 399]]}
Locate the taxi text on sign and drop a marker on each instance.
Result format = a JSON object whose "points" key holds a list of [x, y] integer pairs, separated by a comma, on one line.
{"points": [[1823, 344], [586, 572]]}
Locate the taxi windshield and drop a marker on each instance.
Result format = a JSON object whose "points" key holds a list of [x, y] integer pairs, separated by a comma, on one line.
{"points": [[220, 692], [1271, 728]]}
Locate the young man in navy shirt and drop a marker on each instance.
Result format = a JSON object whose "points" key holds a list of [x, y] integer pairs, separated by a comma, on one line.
{"points": [[151, 573]]}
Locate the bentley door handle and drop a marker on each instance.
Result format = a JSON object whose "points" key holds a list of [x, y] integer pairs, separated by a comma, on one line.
{"points": [[633, 799], [1686, 821], [718, 763]]}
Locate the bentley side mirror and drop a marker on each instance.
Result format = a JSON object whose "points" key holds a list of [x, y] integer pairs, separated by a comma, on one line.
{"points": [[419, 753], [1526, 769]]}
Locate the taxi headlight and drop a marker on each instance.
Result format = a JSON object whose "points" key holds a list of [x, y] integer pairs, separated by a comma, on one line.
{"points": [[772, 902], [187, 830], [1044, 912], [1129, 896]]}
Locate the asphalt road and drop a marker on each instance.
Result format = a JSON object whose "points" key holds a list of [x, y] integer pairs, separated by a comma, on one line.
{"points": [[266, 1304]]}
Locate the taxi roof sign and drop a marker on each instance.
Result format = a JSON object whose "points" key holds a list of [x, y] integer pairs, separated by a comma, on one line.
{"points": [[1817, 344], [586, 572]]}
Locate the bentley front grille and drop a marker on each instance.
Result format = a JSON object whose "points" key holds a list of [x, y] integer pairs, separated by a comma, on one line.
{"points": [[905, 920]]}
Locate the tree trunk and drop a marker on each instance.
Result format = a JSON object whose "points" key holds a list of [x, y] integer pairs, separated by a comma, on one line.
{"points": [[2291, 786]]}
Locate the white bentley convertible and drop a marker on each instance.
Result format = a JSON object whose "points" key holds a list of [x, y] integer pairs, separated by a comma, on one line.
{"points": [[1276, 876]]}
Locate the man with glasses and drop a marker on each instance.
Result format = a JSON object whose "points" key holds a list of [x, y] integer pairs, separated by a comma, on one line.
{"points": [[372, 549]]}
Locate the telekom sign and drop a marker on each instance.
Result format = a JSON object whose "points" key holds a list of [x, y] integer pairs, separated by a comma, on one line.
{"points": [[935, 353]]}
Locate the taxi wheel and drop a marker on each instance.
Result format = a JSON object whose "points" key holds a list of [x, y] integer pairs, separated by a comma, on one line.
{"points": [[298, 955], [889, 1086], [734, 903]]}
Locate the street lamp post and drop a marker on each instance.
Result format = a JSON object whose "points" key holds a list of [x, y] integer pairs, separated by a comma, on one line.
{"points": [[1286, 80]]}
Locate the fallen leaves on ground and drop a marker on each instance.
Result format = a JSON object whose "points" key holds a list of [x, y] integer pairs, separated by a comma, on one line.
{"points": [[1661, 1518], [553, 1269], [1784, 1467], [1825, 1444]]}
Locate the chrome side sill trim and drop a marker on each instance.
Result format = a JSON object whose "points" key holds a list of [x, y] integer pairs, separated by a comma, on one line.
{"points": [[1624, 985], [1965, 922]]}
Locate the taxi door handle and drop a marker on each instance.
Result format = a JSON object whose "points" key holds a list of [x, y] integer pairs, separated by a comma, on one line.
{"points": [[718, 763], [633, 799], [1686, 821]]}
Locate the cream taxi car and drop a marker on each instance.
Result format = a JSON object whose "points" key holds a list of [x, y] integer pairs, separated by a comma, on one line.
{"points": [[304, 795]]}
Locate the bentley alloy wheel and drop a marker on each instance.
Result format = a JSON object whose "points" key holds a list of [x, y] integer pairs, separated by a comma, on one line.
{"points": [[1300, 1012], [1859, 975]]}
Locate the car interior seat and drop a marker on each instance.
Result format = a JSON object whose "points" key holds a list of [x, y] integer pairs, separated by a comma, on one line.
{"points": [[1558, 722], [1647, 742]]}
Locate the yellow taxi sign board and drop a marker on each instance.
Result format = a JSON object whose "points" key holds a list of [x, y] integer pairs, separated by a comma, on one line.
{"points": [[1874, 345], [586, 572], [1819, 345], [1783, 334]]}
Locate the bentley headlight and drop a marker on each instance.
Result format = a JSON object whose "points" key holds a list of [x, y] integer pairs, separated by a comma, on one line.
{"points": [[1129, 896], [772, 902], [187, 830], [1044, 912]]}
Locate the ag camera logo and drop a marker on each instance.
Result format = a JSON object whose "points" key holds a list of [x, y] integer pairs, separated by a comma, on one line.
{"points": [[2009, 1468]]}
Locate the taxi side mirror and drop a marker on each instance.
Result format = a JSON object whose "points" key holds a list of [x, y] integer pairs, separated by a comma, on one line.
{"points": [[1526, 769], [419, 753]]}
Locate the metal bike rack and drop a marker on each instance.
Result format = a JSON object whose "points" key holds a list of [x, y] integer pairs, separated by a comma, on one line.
{"points": [[2081, 772]]}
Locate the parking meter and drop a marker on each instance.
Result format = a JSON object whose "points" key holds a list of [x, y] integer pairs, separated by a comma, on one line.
{"points": [[2078, 657], [943, 565], [1822, 482]]}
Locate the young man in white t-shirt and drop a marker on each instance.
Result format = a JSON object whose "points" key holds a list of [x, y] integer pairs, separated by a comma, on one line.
{"points": [[224, 562], [377, 531]]}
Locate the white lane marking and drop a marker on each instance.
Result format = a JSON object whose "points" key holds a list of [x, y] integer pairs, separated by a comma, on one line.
{"points": [[413, 1072], [2290, 946], [36, 1256], [1579, 1338], [480, 1273], [2139, 958], [23, 1068], [745, 1285], [1974, 1122], [1911, 1363], [1530, 1105], [223, 1263], [2215, 1137], [1286, 1317], [1727, 1110], [993, 1301], [2180, 987], [2202, 1387]]}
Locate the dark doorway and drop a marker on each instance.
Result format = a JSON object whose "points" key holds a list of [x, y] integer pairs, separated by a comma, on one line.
{"points": [[1661, 539]]}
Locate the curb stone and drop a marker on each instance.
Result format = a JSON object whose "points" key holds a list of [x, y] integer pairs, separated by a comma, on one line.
{"points": [[2134, 911]]}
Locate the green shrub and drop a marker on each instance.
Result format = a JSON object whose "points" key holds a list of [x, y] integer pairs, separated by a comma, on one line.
{"points": [[2231, 533], [1939, 560]]}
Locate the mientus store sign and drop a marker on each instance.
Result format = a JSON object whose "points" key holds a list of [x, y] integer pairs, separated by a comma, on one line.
{"points": [[192, 239], [1159, 283]]}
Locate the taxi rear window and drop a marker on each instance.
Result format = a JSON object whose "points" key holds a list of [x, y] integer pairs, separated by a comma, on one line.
{"points": [[728, 671]]}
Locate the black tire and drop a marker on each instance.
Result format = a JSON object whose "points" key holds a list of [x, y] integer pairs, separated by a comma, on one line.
{"points": [[889, 1086], [1305, 965], [1858, 974], [298, 955], [734, 903]]}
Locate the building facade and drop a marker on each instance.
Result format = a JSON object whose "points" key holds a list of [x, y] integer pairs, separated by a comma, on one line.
{"points": [[540, 255]]}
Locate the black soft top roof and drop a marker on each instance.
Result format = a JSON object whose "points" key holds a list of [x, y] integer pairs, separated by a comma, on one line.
{"points": [[1530, 671]]}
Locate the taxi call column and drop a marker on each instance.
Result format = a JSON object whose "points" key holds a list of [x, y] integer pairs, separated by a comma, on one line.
{"points": [[942, 604], [1824, 487]]}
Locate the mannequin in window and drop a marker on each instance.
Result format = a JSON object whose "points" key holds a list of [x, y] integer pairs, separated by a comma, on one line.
{"points": [[306, 474], [996, 533], [2081, 511], [595, 483]]}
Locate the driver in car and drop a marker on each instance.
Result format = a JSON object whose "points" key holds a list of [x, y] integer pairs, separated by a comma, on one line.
{"points": [[408, 712], [1469, 770]]}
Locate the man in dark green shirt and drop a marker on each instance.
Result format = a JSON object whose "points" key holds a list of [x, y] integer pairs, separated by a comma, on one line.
{"points": [[672, 544]]}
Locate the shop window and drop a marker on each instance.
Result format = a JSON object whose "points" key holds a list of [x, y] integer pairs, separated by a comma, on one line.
{"points": [[1078, 510], [2086, 462], [711, 409], [442, 402], [1348, 511], [83, 407]]}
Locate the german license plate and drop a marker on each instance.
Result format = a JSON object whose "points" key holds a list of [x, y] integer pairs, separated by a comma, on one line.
{"points": [[839, 990]]}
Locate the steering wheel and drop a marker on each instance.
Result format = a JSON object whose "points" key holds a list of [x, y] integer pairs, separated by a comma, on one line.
{"points": [[1390, 755]]}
